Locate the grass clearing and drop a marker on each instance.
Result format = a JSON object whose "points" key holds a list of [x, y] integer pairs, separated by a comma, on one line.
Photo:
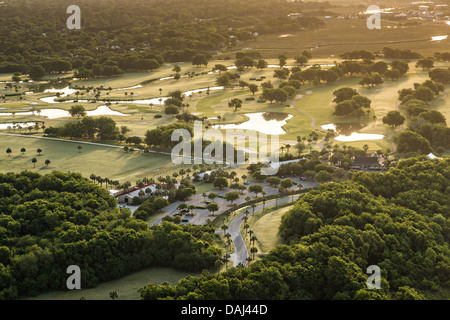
{"points": [[109, 162], [265, 225], [127, 287]]}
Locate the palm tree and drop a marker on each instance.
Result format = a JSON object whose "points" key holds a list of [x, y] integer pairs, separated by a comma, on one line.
{"points": [[228, 236], [39, 151], [253, 239], [34, 160], [253, 251], [23, 150], [9, 151], [224, 228], [288, 146], [366, 148], [79, 149], [246, 226], [47, 162], [225, 259]]}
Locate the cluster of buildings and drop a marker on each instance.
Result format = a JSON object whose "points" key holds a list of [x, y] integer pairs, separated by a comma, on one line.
{"points": [[421, 10]]}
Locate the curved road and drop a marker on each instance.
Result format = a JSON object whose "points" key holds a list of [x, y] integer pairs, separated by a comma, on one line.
{"points": [[240, 255]]}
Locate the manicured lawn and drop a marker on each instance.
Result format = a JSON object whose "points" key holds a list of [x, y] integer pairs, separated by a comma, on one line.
{"points": [[266, 227], [106, 162], [127, 287]]}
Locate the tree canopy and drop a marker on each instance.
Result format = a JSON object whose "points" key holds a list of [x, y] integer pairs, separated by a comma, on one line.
{"points": [[398, 221]]}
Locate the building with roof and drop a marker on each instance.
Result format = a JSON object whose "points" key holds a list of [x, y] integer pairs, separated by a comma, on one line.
{"points": [[366, 163], [128, 197]]}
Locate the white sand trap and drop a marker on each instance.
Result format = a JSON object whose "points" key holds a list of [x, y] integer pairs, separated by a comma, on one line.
{"points": [[309, 92], [285, 35], [298, 97]]}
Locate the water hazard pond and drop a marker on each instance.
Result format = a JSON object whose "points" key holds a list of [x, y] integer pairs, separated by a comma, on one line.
{"points": [[350, 132], [264, 122]]}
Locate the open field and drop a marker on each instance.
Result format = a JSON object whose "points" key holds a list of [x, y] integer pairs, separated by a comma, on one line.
{"points": [[341, 35], [127, 287], [105, 161]]}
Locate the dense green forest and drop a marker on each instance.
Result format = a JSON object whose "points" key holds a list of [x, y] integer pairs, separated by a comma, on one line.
{"points": [[118, 35], [398, 220], [48, 222]]}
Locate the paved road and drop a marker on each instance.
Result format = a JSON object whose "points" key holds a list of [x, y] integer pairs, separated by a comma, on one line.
{"points": [[202, 215], [240, 255]]}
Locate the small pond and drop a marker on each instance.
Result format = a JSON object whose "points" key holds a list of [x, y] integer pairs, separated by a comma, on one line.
{"points": [[350, 132], [265, 122]]}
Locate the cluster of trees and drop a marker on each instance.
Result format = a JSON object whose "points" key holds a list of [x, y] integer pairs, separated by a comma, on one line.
{"points": [[227, 79], [425, 91], [277, 95], [398, 221], [390, 53], [372, 80], [427, 129], [350, 103], [160, 137], [392, 70], [315, 74], [52, 221], [440, 75], [118, 37], [314, 169], [442, 56], [149, 207], [358, 55], [103, 128]]}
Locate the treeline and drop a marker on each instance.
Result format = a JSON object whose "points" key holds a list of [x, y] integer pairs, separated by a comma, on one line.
{"points": [[398, 221], [390, 53], [52, 221]]}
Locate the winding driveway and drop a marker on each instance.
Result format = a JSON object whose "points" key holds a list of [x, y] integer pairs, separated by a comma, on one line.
{"points": [[240, 255]]}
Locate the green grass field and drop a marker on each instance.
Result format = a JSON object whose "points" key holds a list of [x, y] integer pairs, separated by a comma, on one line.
{"points": [[106, 162], [127, 287], [265, 225], [266, 229], [341, 35]]}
